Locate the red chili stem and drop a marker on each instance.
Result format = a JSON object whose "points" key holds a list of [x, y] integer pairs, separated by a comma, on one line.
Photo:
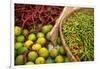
{"points": [[24, 21]]}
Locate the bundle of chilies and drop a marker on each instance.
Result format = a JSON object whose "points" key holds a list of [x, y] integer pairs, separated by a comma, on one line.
{"points": [[27, 16]]}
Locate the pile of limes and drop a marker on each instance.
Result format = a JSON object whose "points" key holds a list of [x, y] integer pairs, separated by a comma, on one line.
{"points": [[30, 48]]}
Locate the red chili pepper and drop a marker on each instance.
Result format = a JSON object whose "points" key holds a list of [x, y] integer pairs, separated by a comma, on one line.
{"points": [[78, 59], [28, 15]]}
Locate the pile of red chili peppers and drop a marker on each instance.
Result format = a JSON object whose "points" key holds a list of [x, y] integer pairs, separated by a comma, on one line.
{"points": [[27, 15]]}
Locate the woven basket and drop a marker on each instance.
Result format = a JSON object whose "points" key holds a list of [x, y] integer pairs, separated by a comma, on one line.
{"points": [[68, 51]]}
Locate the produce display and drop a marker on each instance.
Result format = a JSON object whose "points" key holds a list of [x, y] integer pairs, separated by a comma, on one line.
{"points": [[33, 17], [78, 32], [34, 22]]}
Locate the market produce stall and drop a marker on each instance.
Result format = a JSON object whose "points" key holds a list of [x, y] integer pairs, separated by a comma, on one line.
{"points": [[53, 34]]}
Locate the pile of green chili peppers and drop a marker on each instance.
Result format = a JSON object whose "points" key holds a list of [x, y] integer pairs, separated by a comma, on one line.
{"points": [[78, 31]]}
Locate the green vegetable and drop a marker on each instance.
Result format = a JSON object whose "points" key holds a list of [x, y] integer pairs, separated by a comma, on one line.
{"points": [[78, 32]]}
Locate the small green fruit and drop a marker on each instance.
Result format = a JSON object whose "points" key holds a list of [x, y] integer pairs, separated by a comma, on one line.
{"points": [[32, 37], [53, 52], [40, 34], [46, 29], [25, 32], [50, 60], [40, 60], [32, 56], [36, 47], [19, 60], [28, 43], [62, 50], [41, 41], [43, 52], [21, 50], [18, 45], [50, 26], [20, 38], [17, 30], [67, 59], [59, 59], [29, 63]]}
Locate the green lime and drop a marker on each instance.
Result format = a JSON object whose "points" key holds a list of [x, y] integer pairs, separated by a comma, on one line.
{"points": [[20, 38], [41, 41], [28, 43], [43, 52], [46, 29], [53, 52], [21, 50], [25, 32], [40, 60], [32, 37], [50, 60], [67, 59], [19, 60], [17, 30], [50, 26], [29, 63], [40, 34], [62, 50], [59, 59], [18, 45], [36, 47], [32, 56]]}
